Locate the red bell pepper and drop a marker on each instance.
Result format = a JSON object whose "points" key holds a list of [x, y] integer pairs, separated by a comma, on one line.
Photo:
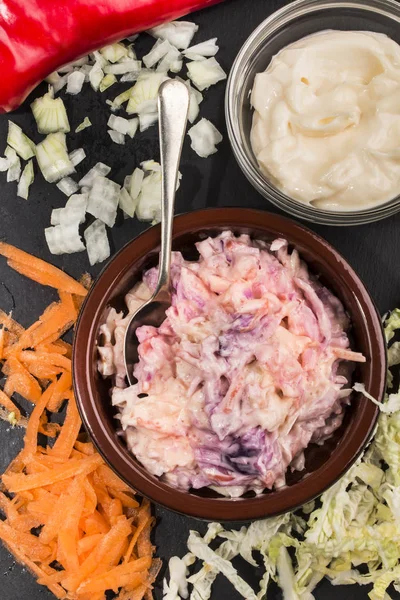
{"points": [[39, 36]]}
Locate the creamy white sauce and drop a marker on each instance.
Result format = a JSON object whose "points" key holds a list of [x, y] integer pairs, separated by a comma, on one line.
{"points": [[326, 126]]}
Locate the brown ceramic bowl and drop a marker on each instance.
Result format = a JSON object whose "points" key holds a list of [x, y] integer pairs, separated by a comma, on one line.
{"points": [[324, 464]]}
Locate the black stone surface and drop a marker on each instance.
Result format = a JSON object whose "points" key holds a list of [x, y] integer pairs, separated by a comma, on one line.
{"points": [[217, 181]]}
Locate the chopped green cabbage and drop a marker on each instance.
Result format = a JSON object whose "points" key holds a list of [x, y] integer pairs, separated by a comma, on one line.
{"points": [[352, 536]]}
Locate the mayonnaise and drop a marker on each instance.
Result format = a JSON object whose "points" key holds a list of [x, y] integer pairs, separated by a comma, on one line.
{"points": [[326, 126]]}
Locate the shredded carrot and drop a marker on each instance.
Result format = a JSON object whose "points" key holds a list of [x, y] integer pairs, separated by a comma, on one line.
{"points": [[40, 271], [87, 519]]}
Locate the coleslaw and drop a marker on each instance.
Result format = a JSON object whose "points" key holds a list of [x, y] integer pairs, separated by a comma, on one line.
{"points": [[251, 365]]}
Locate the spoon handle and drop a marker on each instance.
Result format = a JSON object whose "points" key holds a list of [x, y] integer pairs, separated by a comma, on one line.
{"points": [[173, 106]]}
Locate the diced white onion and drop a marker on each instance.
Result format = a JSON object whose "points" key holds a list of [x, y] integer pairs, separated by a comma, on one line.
{"points": [[145, 90], [127, 203], [95, 76], [98, 169], [68, 186], [114, 52], [196, 98], [146, 120], [77, 156], [124, 126], [86, 71], [128, 66], [50, 114], [202, 50], [97, 245], [19, 141], [64, 239], [205, 73], [204, 137], [25, 181], [133, 38], [14, 170], [127, 182], [130, 77], [117, 138], [178, 33], [53, 78], [103, 200], [85, 123], [75, 82], [99, 59], [158, 51], [151, 165], [55, 216], [149, 201], [135, 183], [171, 61], [53, 159], [4, 164], [107, 82], [72, 65], [74, 210]]}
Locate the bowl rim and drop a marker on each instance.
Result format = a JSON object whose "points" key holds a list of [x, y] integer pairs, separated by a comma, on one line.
{"points": [[126, 466], [264, 186]]}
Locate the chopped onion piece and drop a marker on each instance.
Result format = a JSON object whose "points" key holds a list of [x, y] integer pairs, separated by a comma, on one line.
{"points": [[97, 245], [4, 164], [72, 65], [114, 52], [178, 33], [53, 159], [98, 169], [68, 186], [59, 84], [14, 170], [133, 38], [25, 181], [55, 216], [149, 201], [121, 99], [117, 138], [128, 66], [74, 210], [99, 59], [202, 50], [86, 71], [19, 141], [75, 82], [151, 165], [171, 61], [85, 123], [64, 239], [145, 90], [107, 82], [53, 78], [135, 183], [50, 114], [103, 200], [205, 73], [77, 156], [127, 203], [146, 120], [204, 137], [158, 51], [130, 77], [95, 76], [127, 182], [196, 98], [124, 126]]}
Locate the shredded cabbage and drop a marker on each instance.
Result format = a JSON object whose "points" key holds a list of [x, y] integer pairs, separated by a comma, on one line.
{"points": [[351, 535]]}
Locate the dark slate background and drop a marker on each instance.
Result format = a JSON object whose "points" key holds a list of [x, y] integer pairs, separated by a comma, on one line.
{"points": [[217, 181]]}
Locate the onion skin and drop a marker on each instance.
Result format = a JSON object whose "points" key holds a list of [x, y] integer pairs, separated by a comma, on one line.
{"points": [[39, 36]]}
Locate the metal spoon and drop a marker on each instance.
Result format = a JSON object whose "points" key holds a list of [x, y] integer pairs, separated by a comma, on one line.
{"points": [[173, 106]]}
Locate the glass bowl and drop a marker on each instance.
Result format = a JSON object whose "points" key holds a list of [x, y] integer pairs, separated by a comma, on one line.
{"points": [[293, 22]]}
